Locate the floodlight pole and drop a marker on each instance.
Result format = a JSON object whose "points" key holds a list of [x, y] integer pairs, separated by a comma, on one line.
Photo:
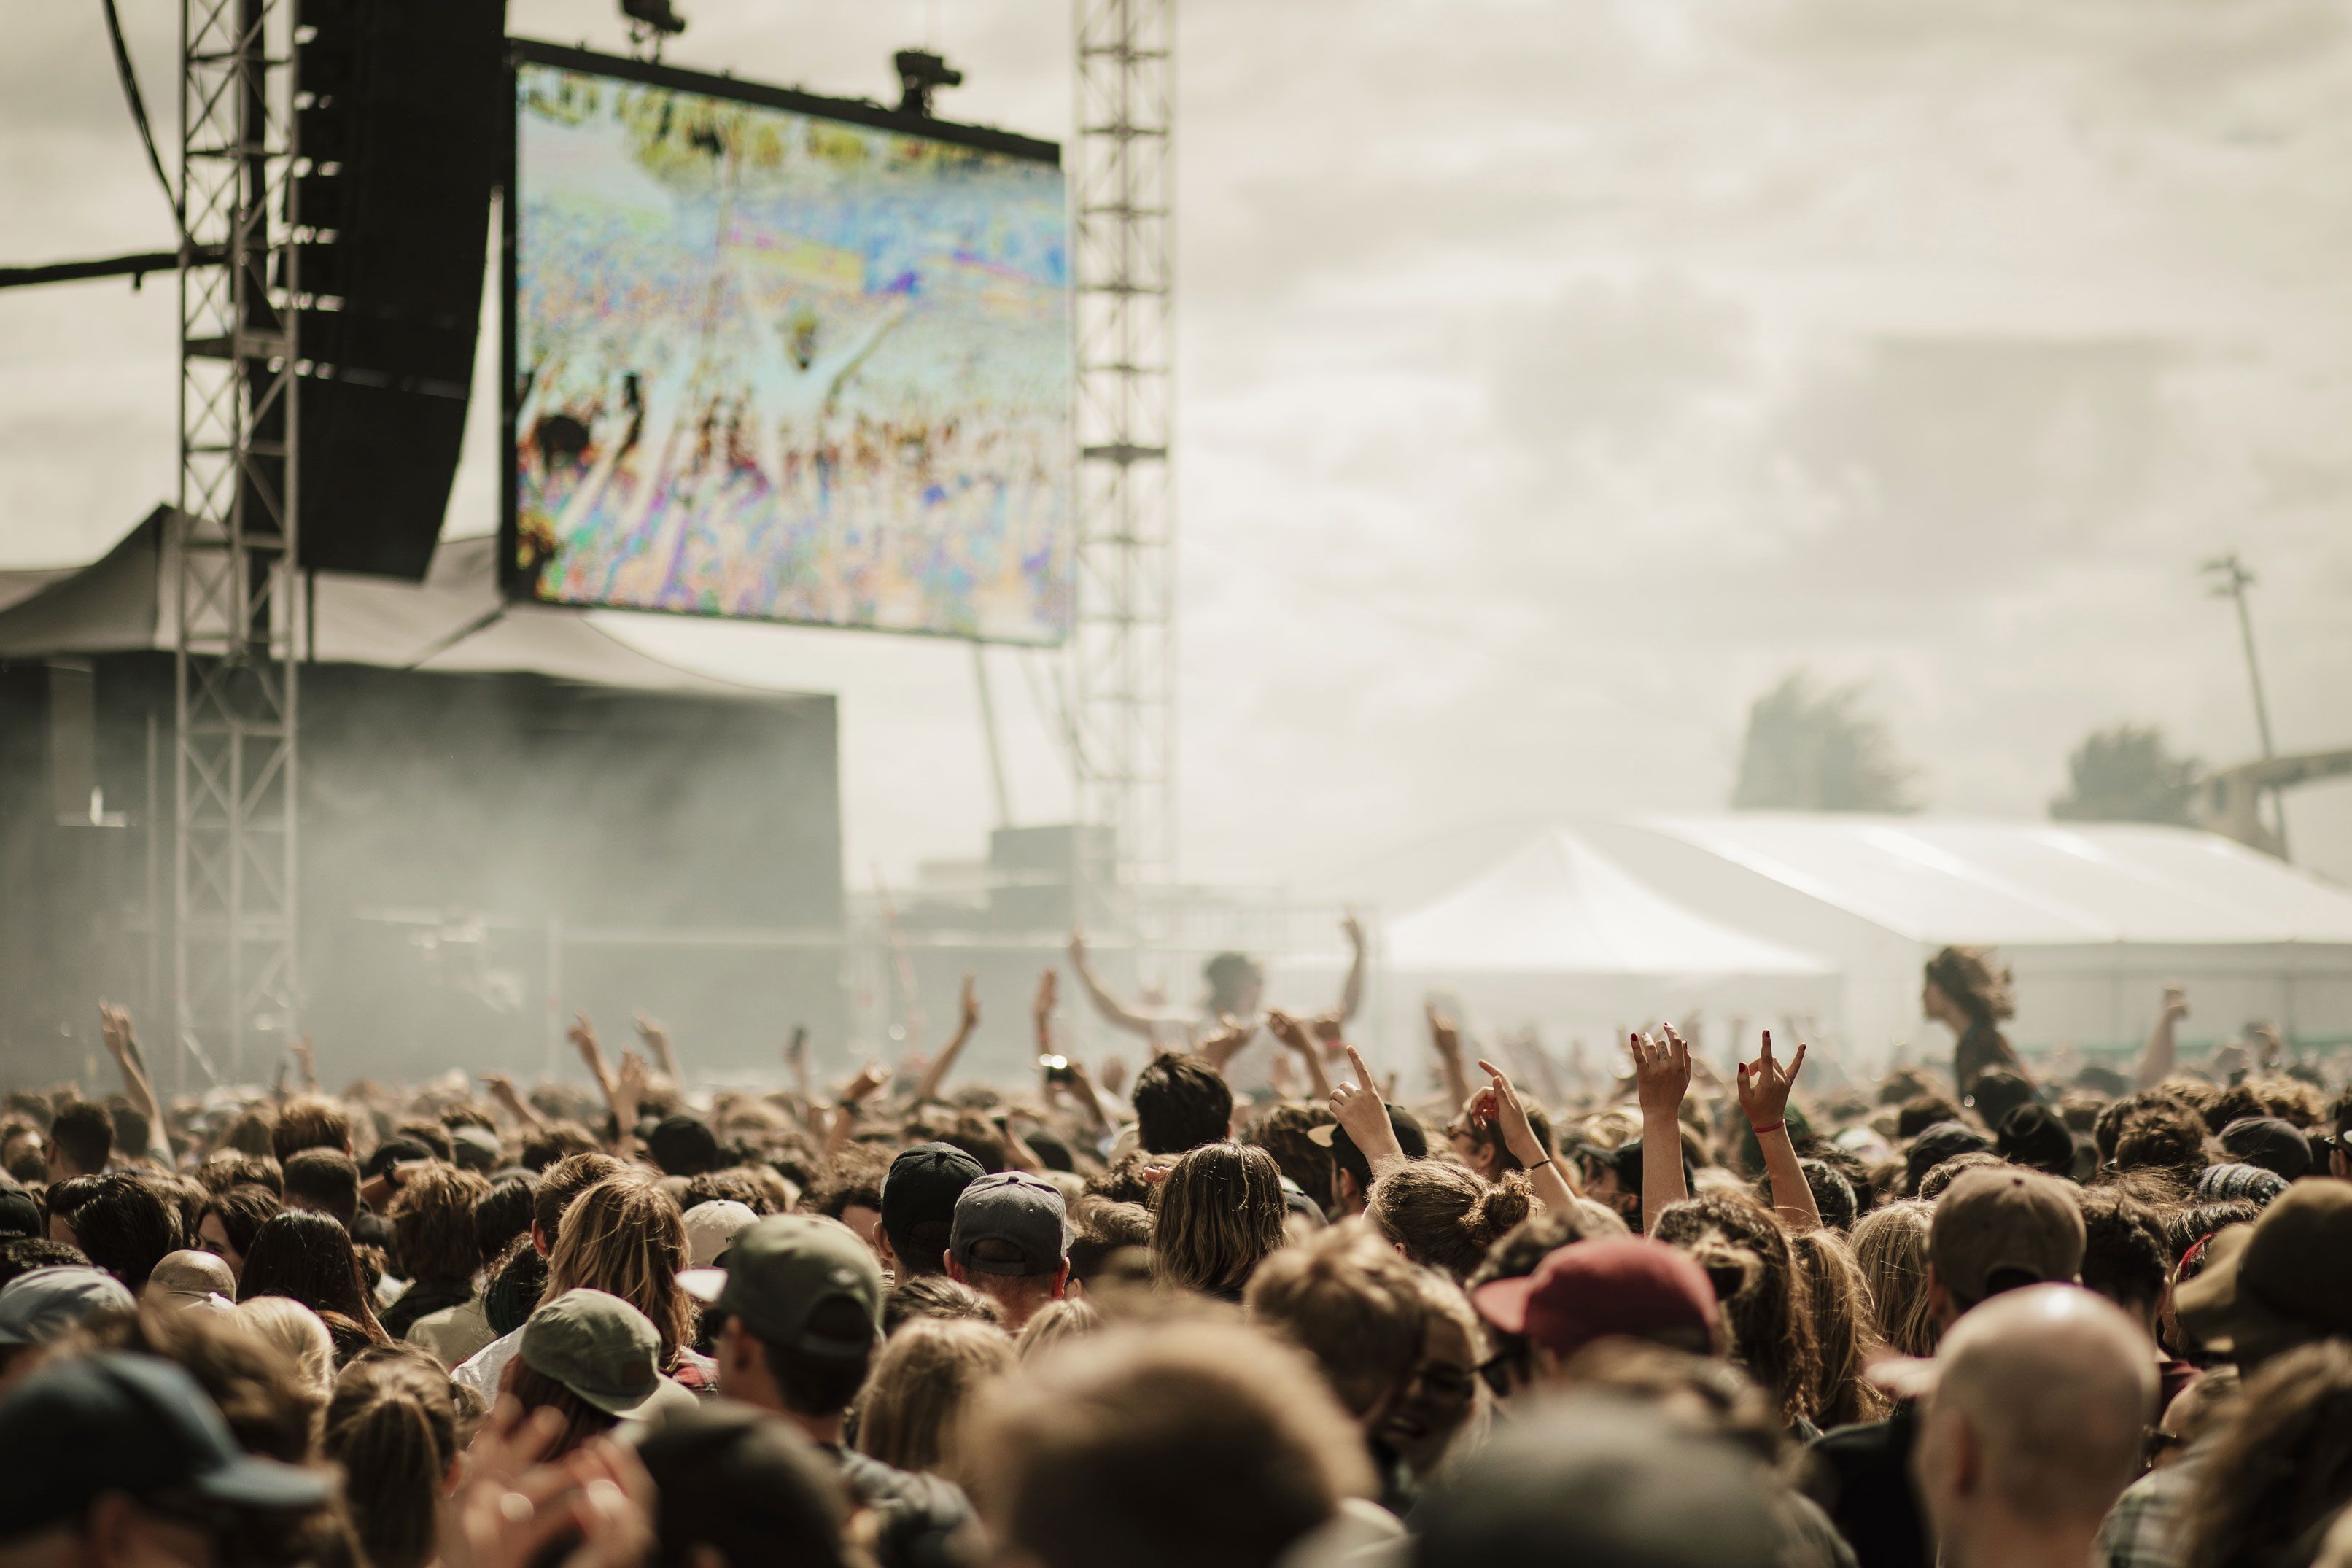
{"points": [[1122, 717], [232, 589], [2231, 581]]}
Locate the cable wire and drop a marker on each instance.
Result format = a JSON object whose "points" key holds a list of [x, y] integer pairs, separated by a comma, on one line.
{"points": [[130, 79]]}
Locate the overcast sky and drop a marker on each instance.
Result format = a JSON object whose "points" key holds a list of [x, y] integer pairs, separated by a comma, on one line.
{"points": [[1553, 379]]}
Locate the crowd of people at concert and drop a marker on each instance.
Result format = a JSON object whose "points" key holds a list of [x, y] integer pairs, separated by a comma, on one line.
{"points": [[2026, 1314]]}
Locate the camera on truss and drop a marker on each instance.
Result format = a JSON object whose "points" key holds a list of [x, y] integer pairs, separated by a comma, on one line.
{"points": [[920, 74]]}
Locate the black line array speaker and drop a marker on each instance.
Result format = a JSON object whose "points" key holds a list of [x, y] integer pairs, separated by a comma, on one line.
{"points": [[400, 126]]}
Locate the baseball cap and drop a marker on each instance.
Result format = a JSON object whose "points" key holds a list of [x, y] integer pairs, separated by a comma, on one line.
{"points": [[38, 1305], [475, 1149], [1588, 1290], [113, 1421], [683, 1145], [2032, 1135], [19, 1214], [183, 1278], [919, 1202], [711, 1228], [1016, 1208], [1994, 1230], [2270, 1142], [603, 1350], [1936, 1144], [1598, 1478], [2282, 1282], [1411, 1136], [781, 1272]]}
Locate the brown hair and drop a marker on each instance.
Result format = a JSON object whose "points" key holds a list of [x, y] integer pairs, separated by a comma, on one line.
{"points": [[1844, 1329], [311, 1121], [1445, 1216], [1219, 1215], [1283, 1133], [1346, 1298], [271, 1410], [1890, 1245], [327, 1179], [433, 1223], [907, 1415], [1162, 1447], [393, 1426], [229, 1168], [1967, 976], [624, 1235], [534, 1390], [563, 1181], [1767, 1307], [2279, 1464]]}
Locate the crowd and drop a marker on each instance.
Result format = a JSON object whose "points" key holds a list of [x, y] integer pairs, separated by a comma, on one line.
{"points": [[1206, 1312]]}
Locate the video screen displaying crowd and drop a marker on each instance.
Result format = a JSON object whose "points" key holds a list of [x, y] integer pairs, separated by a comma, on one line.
{"points": [[1239, 1303]]}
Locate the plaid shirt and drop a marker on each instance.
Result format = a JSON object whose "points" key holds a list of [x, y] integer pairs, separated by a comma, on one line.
{"points": [[2146, 1527]]}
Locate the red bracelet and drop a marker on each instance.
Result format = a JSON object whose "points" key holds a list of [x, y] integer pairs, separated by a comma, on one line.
{"points": [[1760, 1132]]}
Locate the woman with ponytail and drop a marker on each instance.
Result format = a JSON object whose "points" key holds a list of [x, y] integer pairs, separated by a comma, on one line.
{"points": [[393, 1426]]}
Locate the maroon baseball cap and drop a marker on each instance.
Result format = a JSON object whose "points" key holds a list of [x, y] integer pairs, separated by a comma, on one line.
{"points": [[1588, 1290]]}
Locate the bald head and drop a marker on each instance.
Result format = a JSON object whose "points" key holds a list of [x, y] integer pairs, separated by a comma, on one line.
{"points": [[2042, 1397]]}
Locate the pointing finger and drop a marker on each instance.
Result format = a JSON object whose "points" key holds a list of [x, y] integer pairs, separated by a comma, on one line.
{"points": [[1363, 1073]]}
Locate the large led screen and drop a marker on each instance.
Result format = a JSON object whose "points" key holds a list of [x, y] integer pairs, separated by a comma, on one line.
{"points": [[783, 358]]}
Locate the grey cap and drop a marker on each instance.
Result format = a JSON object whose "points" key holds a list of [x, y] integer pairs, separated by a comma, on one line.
{"points": [[1014, 1207], [781, 1271], [604, 1351], [37, 1306]]}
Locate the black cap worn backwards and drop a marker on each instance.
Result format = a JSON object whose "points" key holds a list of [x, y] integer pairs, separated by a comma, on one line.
{"points": [[118, 1422], [919, 1202]]}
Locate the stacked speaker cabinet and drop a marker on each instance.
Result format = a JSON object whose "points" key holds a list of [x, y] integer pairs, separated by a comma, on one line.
{"points": [[399, 113]]}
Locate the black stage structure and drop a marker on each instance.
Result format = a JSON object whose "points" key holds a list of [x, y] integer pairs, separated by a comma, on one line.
{"points": [[506, 814]]}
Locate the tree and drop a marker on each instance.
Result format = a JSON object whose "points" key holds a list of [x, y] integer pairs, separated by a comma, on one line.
{"points": [[1810, 749], [2125, 774]]}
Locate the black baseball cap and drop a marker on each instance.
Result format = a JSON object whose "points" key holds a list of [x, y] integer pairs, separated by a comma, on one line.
{"points": [[1017, 1208], [1410, 1135], [919, 1203], [19, 1214], [2033, 1136], [2270, 1142], [113, 1421], [781, 1274]]}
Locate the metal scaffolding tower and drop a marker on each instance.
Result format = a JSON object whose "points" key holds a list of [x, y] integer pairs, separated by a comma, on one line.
{"points": [[1123, 715], [233, 589]]}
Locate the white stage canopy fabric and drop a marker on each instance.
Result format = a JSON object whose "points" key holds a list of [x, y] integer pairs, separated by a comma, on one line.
{"points": [[2095, 918]]}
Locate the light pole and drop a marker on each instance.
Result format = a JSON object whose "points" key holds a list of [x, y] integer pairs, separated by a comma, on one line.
{"points": [[2230, 581]]}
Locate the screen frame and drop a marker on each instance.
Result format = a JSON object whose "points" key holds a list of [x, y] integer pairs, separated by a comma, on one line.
{"points": [[513, 588]]}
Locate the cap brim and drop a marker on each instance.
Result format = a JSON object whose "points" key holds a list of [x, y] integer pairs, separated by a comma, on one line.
{"points": [[1320, 1133], [705, 1285], [1504, 1302], [250, 1481], [1904, 1376], [2211, 1306], [666, 1397]]}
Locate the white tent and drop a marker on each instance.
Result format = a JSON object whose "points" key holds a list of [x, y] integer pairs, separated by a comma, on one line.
{"points": [[1558, 936], [2094, 918]]}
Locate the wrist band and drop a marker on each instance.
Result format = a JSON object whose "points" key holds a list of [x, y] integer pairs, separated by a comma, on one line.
{"points": [[1760, 1132], [1539, 1164]]}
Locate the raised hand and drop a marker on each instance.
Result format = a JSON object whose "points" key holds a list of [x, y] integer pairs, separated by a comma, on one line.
{"points": [[1220, 1048], [501, 1089], [1661, 1073], [870, 1076], [968, 1006], [1356, 1105], [582, 1036], [629, 1088], [1289, 1033], [1764, 1086], [2176, 1002], [654, 1033], [114, 1027], [507, 1509], [1041, 1010], [1498, 1104], [1444, 1033]]}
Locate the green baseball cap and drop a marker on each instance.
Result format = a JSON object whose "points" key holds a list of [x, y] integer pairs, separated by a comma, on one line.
{"points": [[604, 1351], [780, 1274]]}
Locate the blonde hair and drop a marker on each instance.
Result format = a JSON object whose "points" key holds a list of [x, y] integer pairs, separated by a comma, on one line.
{"points": [[1054, 1324], [1890, 1244], [907, 1414], [1844, 1326], [625, 1237], [294, 1331], [1217, 1216]]}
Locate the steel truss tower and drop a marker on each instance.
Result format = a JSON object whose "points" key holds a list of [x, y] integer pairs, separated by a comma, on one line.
{"points": [[233, 588], [1123, 712]]}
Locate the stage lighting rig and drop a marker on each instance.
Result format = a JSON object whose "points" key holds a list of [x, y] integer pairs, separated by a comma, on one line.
{"points": [[920, 74]]}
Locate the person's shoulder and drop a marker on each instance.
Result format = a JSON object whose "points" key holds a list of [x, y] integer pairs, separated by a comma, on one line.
{"points": [[481, 1369], [888, 1487]]}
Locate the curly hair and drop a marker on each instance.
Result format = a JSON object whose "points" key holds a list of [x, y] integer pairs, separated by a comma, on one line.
{"points": [[1966, 975], [1282, 1133], [433, 1223], [1443, 1216], [1217, 1216], [1348, 1300], [1763, 1293]]}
